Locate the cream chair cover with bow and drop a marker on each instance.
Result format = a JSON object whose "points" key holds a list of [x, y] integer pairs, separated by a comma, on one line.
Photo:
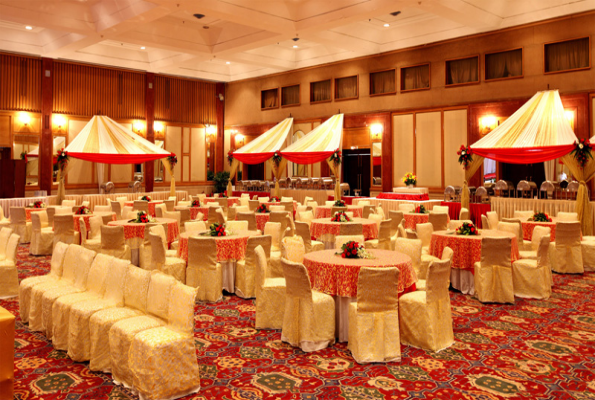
{"points": [[439, 220], [273, 229], [96, 284], [421, 283], [163, 360], [493, 219], [348, 232], [485, 223], [538, 233], [464, 214], [19, 223], [306, 216], [136, 288], [116, 207], [407, 207], [193, 227], [309, 319], [26, 286], [188, 203], [42, 234], [140, 205], [203, 271], [92, 239], [374, 318], [284, 218], [248, 216], [122, 333], [270, 294], [376, 218], [425, 316], [514, 226], [523, 215], [170, 203], [145, 253], [532, 278], [401, 231], [566, 253], [396, 217], [245, 269], [159, 229], [293, 249], [79, 333], [567, 216], [253, 204], [127, 213], [493, 274], [424, 233], [4, 222], [302, 229], [412, 248], [588, 252], [172, 266], [160, 209], [276, 208], [113, 242], [9, 277], [440, 209], [383, 241], [5, 233], [367, 210], [237, 225]]}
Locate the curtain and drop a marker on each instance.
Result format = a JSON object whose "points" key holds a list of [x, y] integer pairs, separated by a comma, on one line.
{"points": [[382, 82], [469, 172], [462, 71], [336, 170], [269, 98], [170, 170], [320, 91], [290, 95], [235, 163], [550, 170], [582, 175], [346, 87], [415, 77], [100, 170], [567, 55], [504, 65], [278, 171]]}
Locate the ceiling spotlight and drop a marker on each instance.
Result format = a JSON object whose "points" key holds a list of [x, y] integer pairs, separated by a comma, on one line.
{"points": [[295, 39], [199, 16], [295, 46], [227, 62], [142, 48], [395, 13], [386, 25], [28, 27]]}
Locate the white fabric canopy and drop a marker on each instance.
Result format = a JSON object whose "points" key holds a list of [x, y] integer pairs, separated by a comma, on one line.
{"points": [[263, 147], [319, 144]]}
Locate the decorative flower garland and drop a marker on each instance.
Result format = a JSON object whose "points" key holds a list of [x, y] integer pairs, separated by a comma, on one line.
{"points": [[145, 198], [173, 160], [262, 208], [336, 157], [467, 229], [217, 230], [409, 179], [24, 156], [339, 203], [354, 249], [83, 210], [142, 218], [277, 158], [464, 154], [195, 203], [274, 199], [420, 209], [230, 157], [340, 216], [582, 151], [62, 159], [540, 217], [37, 204]]}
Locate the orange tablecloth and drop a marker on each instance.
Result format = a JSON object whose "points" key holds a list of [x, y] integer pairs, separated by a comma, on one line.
{"points": [[325, 211], [467, 249], [6, 354], [322, 226], [151, 205], [230, 200], [135, 233], [528, 227], [412, 219], [228, 247], [331, 274], [28, 212], [86, 217], [261, 220]]}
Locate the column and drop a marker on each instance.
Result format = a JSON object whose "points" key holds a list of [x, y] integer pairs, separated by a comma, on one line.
{"points": [[150, 119], [220, 157], [46, 142]]}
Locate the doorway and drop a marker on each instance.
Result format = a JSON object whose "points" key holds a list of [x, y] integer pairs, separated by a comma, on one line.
{"points": [[356, 170], [255, 172]]}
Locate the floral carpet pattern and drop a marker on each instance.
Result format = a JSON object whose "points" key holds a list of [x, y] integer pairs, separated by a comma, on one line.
{"points": [[531, 350]]}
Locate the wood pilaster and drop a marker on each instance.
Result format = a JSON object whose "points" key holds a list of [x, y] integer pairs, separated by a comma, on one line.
{"points": [[150, 120], [46, 142], [220, 157]]}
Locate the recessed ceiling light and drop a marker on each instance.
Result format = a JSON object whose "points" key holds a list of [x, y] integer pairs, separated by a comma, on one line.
{"points": [[295, 46], [198, 16], [28, 27], [386, 25], [227, 62], [142, 48]]}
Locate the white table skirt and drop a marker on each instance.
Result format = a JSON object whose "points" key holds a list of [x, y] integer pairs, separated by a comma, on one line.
{"points": [[413, 190], [342, 317], [18, 202], [462, 280], [101, 199], [319, 196], [229, 275], [393, 205]]}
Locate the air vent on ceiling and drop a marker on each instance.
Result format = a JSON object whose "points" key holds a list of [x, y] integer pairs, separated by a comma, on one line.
{"points": [[394, 14], [199, 16]]}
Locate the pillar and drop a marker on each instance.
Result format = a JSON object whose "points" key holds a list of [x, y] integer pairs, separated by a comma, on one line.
{"points": [[220, 157], [150, 119], [46, 142]]}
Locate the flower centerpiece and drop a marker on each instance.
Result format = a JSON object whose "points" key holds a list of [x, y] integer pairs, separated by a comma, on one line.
{"points": [[340, 216], [274, 199], [336, 157], [62, 159], [37, 204], [217, 230], [277, 158], [582, 151], [409, 179], [83, 210], [339, 203], [262, 208], [142, 218], [467, 229], [464, 154], [230, 157], [353, 249], [420, 209], [145, 198], [195, 203], [24, 156], [540, 217], [173, 160]]}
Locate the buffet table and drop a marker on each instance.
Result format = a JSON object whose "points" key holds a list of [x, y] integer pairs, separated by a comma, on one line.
{"points": [[101, 199], [299, 195], [20, 202]]}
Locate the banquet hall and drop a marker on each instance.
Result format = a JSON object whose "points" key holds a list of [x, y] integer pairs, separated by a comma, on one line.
{"points": [[296, 199]]}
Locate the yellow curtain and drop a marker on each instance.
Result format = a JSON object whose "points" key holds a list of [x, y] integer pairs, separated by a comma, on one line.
{"points": [[278, 171], [336, 169], [61, 195], [469, 172], [170, 171], [582, 175], [232, 170]]}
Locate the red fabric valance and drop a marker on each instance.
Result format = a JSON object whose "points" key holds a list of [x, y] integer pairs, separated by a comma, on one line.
{"points": [[254, 158], [308, 157], [524, 155], [117, 158]]}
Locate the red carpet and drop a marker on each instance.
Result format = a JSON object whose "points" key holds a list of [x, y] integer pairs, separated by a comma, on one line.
{"points": [[532, 350]]}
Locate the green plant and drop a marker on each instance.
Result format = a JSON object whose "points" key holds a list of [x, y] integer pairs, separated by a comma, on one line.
{"points": [[210, 175], [239, 176], [221, 178]]}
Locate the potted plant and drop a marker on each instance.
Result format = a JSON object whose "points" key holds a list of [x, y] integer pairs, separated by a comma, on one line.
{"points": [[221, 179]]}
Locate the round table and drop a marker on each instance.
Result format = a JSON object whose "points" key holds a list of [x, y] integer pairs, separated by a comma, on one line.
{"points": [[134, 233], [467, 251], [230, 200], [325, 211], [528, 227], [412, 219], [324, 226], [261, 220], [152, 204], [195, 210], [29, 210], [331, 274]]}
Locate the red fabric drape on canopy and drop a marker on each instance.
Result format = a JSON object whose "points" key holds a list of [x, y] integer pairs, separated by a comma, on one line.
{"points": [[524, 155], [255, 158], [117, 158], [308, 158]]}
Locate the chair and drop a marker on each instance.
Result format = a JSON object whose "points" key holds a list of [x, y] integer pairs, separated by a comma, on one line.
{"points": [[276, 208], [188, 203], [172, 266], [68, 203], [532, 277], [367, 210], [376, 218], [237, 225], [193, 227], [493, 219], [383, 241], [273, 229], [439, 220], [140, 205], [122, 200], [9, 278], [306, 216], [170, 204], [19, 223], [538, 233], [113, 242], [485, 223], [160, 209], [4, 222], [493, 274], [127, 212], [412, 248], [107, 208], [464, 213], [424, 233], [175, 342], [335, 209], [401, 232], [253, 204], [93, 241], [513, 225], [116, 207], [309, 318], [218, 216], [567, 216], [5, 233], [329, 203], [314, 205], [340, 240], [245, 269], [86, 203], [64, 230], [407, 207], [302, 229], [284, 218], [231, 212], [425, 316], [223, 204], [374, 318], [523, 215], [288, 205], [203, 271], [396, 217], [145, 253], [51, 211], [293, 249], [42, 236], [159, 229], [250, 217], [566, 253]]}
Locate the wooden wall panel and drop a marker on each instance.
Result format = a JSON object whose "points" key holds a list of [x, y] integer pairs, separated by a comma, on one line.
{"points": [[403, 126], [173, 143], [455, 134], [428, 149], [187, 101], [5, 139], [20, 83], [86, 91], [198, 172]]}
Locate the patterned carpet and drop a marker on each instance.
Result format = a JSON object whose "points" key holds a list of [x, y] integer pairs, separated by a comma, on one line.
{"points": [[531, 350]]}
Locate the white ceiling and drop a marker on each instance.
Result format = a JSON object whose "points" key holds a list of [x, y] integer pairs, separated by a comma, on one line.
{"points": [[239, 39]]}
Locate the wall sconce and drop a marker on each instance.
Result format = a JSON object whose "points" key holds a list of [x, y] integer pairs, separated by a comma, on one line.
{"points": [[138, 127], [24, 118], [240, 140], [569, 114], [487, 124], [211, 131], [59, 122], [157, 127], [376, 131]]}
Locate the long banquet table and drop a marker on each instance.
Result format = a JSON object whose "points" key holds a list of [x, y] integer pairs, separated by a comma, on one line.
{"points": [[393, 205], [319, 195], [101, 199]]}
